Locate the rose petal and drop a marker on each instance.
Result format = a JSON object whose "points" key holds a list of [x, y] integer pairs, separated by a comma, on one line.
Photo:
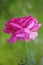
{"points": [[16, 25], [33, 35], [35, 28], [12, 39], [26, 38]]}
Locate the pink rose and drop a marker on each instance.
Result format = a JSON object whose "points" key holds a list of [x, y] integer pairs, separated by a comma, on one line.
{"points": [[22, 28]]}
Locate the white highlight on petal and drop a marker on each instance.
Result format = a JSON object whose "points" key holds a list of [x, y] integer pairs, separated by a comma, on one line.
{"points": [[20, 35], [33, 35], [31, 25], [40, 25], [26, 30]]}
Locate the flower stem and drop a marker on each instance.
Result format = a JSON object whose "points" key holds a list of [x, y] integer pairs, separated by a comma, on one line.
{"points": [[26, 51]]}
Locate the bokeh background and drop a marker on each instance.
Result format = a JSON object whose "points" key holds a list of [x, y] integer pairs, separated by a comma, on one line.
{"points": [[15, 54]]}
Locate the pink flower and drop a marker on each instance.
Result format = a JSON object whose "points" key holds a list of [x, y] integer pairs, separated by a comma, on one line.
{"points": [[22, 28]]}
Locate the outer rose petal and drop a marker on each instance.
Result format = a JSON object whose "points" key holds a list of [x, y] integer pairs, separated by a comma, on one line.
{"points": [[6, 30], [35, 28], [26, 38], [26, 21], [19, 38], [12, 39], [16, 25]]}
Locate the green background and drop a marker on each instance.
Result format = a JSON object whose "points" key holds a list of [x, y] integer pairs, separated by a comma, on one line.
{"points": [[13, 54]]}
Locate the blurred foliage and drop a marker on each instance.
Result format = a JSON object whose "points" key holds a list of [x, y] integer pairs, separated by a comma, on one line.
{"points": [[15, 54]]}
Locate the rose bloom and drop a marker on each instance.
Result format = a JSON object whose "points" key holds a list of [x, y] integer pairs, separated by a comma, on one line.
{"points": [[24, 28]]}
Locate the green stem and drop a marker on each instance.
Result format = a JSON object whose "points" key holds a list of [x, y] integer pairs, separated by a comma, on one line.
{"points": [[26, 51]]}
